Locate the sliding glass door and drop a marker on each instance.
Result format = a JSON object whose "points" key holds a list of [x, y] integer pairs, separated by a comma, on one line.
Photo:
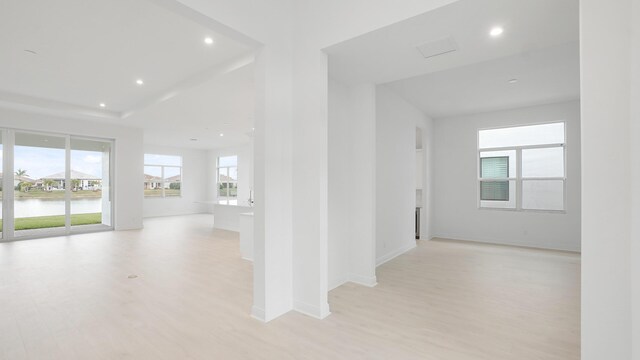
{"points": [[90, 184], [39, 184], [58, 184], [1, 181]]}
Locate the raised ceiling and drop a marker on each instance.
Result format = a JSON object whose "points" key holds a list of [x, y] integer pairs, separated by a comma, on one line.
{"points": [[541, 77], [539, 47], [222, 105], [83, 53], [391, 53]]}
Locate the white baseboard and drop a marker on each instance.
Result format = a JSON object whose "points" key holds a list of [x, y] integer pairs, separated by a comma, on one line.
{"points": [[506, 243], [311, 310], [369, 281], [395, 253], [258, 313], [176, 214], [338, 283], [226, 227]]}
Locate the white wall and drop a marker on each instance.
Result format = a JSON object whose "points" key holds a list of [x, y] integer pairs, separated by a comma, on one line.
{"points": [[606, 72], [340, 182], [396, 122], [128, 156], [456, 213], [635, 181], [194, 185], [351, 184], [426, 231]]}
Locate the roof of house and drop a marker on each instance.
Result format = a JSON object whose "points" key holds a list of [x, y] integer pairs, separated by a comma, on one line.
{"points": [[151, 178], [21, 178], [75, 175], [226, 178]]}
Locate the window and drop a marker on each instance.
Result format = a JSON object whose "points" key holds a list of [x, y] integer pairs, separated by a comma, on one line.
{"points": [[522, 168], [59, 184], [162, 175], [227, 176], [494, 168]]}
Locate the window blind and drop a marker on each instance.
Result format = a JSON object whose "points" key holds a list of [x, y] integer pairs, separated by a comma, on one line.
{"points": [[494, 168]]}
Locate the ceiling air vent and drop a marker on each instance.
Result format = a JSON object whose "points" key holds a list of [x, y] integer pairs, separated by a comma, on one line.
{"points": [[437, 47]]}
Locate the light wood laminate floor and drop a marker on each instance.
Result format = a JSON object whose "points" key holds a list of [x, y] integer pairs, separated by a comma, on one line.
{"points": [[71, 298]]}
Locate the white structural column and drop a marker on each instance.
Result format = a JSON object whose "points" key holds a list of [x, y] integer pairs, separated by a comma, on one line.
{"points": [[635, 180], [362, 242], [272, 267], [106, 185], [310, 179], [606, 186], [8, 142]]}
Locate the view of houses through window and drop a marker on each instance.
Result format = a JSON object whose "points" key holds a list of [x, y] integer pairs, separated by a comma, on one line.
{"points": [[522, 167], [1, 182], [162, 175], [51, 193], [227, 176]]}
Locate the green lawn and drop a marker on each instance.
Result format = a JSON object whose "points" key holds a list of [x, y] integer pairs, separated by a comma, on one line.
{"points": [[42, 222], [158, 192], [39, 194]]}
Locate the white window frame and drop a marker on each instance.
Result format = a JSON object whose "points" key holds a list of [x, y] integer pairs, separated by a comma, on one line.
{"points": [[8, 197], [162, 177], [225, 200], [519, 179]]}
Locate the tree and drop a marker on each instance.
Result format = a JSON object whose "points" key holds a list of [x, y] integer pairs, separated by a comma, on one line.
{"points": [[24, 186], [21, 172], [48, 184], [75, 183]]}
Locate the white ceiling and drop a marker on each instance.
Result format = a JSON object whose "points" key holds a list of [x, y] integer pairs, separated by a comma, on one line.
{"points": [[543, 76], [390, 53], [224, 104], [92, 51]]}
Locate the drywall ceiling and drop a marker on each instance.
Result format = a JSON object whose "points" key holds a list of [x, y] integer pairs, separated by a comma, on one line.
{"points": [[542, 76], [66, 57], [91, 51], [222, 105], [390, 53]]}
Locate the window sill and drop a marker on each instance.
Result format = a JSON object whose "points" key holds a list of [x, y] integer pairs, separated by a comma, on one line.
{"points": [[235, 205], [525, 210]]}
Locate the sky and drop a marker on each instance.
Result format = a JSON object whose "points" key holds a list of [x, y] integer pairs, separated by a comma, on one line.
{"points": [[40, 162]]}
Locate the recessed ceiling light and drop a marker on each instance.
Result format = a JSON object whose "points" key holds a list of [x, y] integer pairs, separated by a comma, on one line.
{"points": [[103, 105], [193, 139], [496, 31], [221, 134], [139, 82], [513, 81], [208, 40]]}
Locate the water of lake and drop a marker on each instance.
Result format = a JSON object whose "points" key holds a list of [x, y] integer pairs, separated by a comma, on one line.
{"points": [[44, 207]]}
